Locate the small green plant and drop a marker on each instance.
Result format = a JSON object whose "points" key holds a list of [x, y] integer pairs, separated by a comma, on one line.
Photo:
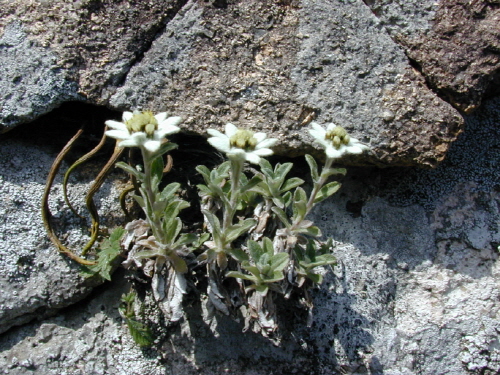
{"points": [[256, 243]]}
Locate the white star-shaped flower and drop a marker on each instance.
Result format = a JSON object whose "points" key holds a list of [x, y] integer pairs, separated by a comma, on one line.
{"points": [[143, 129], [242, 144], [335, 140]]}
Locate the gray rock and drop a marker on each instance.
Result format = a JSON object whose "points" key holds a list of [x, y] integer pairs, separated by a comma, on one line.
{"points": [[31, 82], [272, 66]]}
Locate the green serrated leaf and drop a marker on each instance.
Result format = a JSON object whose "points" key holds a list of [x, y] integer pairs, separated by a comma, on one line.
{"points": [[140, 332], [108, 252]]}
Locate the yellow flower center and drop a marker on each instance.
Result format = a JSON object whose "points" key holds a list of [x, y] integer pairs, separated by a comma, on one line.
{"points": [[243, 139], [142, 122], [338, 135]]}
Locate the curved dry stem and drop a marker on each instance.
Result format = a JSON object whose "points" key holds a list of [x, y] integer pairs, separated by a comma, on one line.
{"points": [[46, 215], [77, 163], [89, 198]]}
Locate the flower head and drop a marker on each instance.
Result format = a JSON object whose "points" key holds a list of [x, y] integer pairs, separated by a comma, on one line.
{"points": [[143, 129], [241, 143], [336, 141]]}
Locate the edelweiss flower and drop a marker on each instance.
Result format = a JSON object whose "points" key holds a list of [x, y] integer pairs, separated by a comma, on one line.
{"points": [[143, 129], [241, 143], [336, 141]]}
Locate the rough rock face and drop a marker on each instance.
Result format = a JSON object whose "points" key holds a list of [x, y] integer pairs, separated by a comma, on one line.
{"points": [[271, 65], [458, 51]]}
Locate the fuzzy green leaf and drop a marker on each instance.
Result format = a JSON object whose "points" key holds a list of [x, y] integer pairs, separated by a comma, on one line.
{"points": [[299, 203], [238, 254], [267, 246], [279, 262], [282, 216], [214, 222], [254, 270], [326, 191], [131, 170], [262, 189], [291, 183], [316, 278], [255, 180], [241, 275], [281, 170], [266, 167], [255, 250], [279, 202], [333, 171], [170, 190], [313, 166], [185, 239], [312, 231], [157, 169], [236, 230], [164, 148], [205, 172]]}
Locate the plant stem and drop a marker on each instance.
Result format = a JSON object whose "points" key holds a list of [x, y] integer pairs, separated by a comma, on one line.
{"points": [[236, 169], [316, 188], [149, 197]]}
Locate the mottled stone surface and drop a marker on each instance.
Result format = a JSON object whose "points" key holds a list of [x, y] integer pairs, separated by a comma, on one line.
{"points": [[269, 65], [455, 43], [96, 42]]}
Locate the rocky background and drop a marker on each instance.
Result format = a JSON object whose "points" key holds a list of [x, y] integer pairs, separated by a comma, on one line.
{"points": [[416, 290]]}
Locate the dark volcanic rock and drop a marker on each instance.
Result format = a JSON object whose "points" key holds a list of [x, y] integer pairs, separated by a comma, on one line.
{"points": [[459, 50]]}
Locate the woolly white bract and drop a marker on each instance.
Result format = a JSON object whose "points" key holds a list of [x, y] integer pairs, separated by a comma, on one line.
{"points": [[335, 141], [242, 144], [143, 129]]}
